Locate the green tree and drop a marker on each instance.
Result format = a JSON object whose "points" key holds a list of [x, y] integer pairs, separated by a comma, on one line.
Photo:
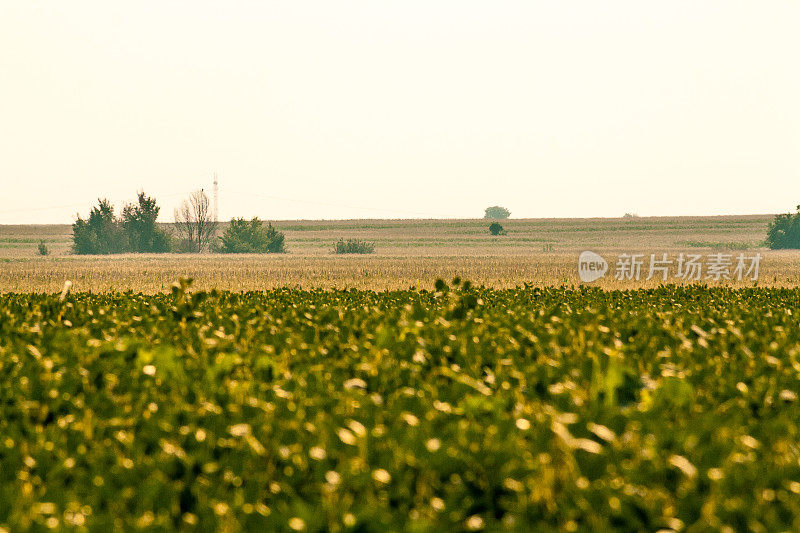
{"points": [[139, 224], [783, 231], [101, 233], [496, 212], [251, 237]]}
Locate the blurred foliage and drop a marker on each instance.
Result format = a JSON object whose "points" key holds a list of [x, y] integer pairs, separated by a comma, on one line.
{"points": [[457, 408]]}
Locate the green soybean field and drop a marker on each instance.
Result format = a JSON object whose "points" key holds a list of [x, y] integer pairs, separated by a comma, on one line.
{"points": [[456, 408]]}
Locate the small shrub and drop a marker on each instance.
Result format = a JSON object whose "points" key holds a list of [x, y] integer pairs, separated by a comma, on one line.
{"points": [[496, 229], [43, 249], [353, 246], [251, 237], [784, 231], [496, 212]]}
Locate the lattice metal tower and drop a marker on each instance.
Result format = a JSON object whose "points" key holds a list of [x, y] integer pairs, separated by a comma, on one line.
{"points": [[216, 198]]}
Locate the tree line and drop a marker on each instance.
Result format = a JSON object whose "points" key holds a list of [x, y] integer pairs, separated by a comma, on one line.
{"points": [[194, 230]]}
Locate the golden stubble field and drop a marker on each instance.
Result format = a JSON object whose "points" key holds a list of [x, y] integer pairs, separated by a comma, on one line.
{"points": [[408, 253]]}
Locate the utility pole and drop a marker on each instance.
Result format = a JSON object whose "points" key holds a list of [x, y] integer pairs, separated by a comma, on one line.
{"points": [[216, 198]]}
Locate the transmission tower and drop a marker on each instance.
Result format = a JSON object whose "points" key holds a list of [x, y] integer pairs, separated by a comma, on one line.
{"points": [[216, 198]]}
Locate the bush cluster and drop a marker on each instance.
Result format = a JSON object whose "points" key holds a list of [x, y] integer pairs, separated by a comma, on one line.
{"points": [[251, 237], [353, 246], [135, 231]]}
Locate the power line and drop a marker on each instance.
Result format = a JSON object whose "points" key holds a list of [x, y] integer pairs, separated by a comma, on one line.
{"points": [[50, 208], [40, 208], [331, 204], [248, 194]]}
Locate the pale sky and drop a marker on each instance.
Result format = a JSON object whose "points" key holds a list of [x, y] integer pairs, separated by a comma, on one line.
{"points": [[401, 109]]}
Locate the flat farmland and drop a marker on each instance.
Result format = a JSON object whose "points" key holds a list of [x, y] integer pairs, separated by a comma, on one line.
{"points": [[540, 252]]}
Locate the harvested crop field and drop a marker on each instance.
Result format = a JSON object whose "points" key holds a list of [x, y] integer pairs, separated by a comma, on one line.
{"points": [[541, 252]]}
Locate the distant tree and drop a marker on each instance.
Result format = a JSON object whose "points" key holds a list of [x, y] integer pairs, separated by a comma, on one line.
{"points": [[195, 223], [783, 231], [251, 237], [101, 233], [496, 229], [42, 248], [630, 215], [496, 212], [139, 224]]}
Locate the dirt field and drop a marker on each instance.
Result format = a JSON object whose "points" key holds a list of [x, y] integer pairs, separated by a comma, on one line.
{"points": [[408, 253]]}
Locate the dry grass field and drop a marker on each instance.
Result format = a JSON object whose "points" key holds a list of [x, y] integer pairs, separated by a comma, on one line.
{"points": [[408, 253]]}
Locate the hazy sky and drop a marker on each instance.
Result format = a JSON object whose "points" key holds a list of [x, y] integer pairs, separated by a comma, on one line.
{"points": [[335, 109]]}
